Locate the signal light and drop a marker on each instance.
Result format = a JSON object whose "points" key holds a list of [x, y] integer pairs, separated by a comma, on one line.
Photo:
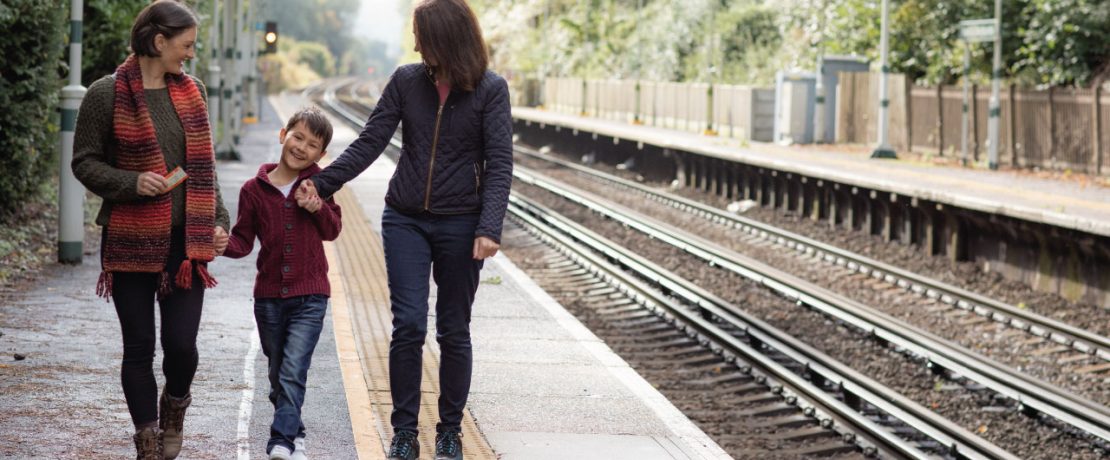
{"points": [[271, 37]]}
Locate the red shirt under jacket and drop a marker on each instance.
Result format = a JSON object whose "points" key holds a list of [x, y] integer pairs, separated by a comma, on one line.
{"points": [[291, 262]]}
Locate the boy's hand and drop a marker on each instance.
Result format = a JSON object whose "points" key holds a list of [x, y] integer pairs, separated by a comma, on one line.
{"points": [[305, 191], [307, 197], [150, 184], [220, 240], [313, 204]]}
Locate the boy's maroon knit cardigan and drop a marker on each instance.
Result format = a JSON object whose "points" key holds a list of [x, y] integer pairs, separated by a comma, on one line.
{"points": [[291, 262]]}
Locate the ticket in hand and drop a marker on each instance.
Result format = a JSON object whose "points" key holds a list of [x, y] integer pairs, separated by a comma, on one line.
{"points": [[175, 178]]}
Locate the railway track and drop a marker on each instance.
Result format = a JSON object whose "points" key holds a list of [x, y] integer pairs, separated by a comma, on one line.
{"points": [[663, 310]]}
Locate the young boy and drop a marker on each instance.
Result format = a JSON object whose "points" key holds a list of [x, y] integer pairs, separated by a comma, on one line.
{"points": [[291, 290]]}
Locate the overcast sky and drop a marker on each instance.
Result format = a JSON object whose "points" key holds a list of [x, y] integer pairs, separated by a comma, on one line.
{"points": [[380, 20]]}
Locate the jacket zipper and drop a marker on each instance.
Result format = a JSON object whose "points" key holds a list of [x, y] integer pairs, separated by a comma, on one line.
{"points": [[432, 162], [477, 179]]}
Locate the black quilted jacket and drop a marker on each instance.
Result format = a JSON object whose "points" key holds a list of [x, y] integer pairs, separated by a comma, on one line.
{"points": [[464, 167]]}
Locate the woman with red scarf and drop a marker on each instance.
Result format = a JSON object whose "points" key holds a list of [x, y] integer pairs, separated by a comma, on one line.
{"points": [[143, 143]]}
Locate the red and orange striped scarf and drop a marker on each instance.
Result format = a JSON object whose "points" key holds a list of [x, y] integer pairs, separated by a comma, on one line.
{"points": [[138, 237]]}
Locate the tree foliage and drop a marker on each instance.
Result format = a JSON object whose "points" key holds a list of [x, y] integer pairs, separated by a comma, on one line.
{"points": [[30, 49], [323, 21], [1058, 42], [107, 34]]}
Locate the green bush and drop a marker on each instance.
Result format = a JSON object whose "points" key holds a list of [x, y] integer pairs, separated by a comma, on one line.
{"points": [[107, 35], [31, 50]]}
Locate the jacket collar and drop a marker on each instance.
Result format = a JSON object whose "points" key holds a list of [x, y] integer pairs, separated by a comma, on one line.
{"points": [[264, 173]]}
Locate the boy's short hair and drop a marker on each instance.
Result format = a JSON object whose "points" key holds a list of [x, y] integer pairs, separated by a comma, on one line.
{"points": [[316, 122]]}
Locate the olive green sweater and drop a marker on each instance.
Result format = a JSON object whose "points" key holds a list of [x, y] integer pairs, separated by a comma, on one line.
{"points": [[95, 149]]}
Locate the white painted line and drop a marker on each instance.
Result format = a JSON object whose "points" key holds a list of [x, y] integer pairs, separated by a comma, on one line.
{"points": [[246, 401], [693, 440]]}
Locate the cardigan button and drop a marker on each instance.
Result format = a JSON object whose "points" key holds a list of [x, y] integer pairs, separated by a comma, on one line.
{"points": [[285, 269], [284, 290], [288, 226], [288, 248], [288, 204]]}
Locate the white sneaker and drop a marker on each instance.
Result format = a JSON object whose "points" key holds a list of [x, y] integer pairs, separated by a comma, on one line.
{"points": [[280, 453], [298, 452]]}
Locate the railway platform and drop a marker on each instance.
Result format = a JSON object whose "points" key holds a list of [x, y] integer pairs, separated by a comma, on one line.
{"points": [[544, 386], [1046, 232]]}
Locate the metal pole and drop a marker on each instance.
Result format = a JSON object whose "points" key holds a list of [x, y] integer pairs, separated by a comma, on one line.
{"points": [[226, 148], [240, 71], [251, 64], [996, 82], [639, 61], [709, 131], [965, 122], [819, 88], [883, 150], [71, 194], [214, 69], [544, 31]]}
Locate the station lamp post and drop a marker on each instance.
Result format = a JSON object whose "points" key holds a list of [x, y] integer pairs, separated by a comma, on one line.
{"points": [[214, 70], [883, 150], [996, 82], [71, 194]]}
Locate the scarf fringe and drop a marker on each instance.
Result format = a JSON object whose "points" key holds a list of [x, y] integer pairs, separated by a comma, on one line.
{"points": [[209, 281], [185, 275], [104, 286]]}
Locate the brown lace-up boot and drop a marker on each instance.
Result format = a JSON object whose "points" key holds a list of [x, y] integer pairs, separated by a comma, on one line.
{"points": [[148, 444], [172, 422]]}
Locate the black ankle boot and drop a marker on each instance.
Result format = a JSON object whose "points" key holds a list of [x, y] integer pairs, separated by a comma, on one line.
{"points": [[449, 445], [404, 446]]}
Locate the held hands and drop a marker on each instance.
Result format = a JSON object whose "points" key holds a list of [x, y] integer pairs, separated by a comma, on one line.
{"points": [[484, 248], [150, 184], [307, 197], [220, 239]]}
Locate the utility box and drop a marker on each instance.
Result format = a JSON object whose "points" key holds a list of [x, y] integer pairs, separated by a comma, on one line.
{"points": [[794, 106], [829, 69]]}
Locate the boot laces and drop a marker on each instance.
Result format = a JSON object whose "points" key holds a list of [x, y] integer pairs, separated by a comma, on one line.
{"points": [[447, 443], [402, 444]]}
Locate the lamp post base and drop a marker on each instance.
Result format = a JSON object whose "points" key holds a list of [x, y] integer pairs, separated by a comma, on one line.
{"points": [[884, 152]]}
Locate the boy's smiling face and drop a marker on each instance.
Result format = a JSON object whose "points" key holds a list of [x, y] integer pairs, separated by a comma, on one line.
{"points": [[300, 148]]}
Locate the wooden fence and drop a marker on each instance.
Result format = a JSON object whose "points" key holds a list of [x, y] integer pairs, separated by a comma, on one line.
{"points": [[1058, 128]]}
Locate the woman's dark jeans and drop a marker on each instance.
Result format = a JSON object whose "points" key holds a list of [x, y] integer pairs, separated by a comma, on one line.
{"points": [[134, 296], [289, 330], [443, 245]]}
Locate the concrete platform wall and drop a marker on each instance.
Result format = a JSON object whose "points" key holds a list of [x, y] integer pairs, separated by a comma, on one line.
{"points": [[1068, 262]]}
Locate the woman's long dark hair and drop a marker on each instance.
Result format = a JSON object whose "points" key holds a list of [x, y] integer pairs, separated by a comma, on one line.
{"points": [[449, 37]]}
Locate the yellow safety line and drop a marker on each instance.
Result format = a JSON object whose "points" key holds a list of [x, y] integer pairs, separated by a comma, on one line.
{"points": [[361, 265], [367, 443]]}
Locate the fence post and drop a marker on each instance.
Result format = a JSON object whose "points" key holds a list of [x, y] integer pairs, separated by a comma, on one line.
{"points": [[975, 119], [1096, 119], [584, 112], [908, 106], [1051, 126], [940, 120], [709, 131], [1013, 127]]}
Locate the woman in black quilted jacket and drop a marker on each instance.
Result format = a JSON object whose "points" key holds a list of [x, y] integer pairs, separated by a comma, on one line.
{"points": [[444, 206]]}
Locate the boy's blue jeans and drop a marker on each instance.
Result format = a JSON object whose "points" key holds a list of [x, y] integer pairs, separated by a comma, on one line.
{"points": [[416, 246], [289, 329]]}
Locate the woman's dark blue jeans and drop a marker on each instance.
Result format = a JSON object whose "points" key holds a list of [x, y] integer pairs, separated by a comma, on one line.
{"points": [[416, 245], [289, 330]]}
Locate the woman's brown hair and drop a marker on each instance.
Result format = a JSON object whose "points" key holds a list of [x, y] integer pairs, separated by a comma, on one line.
{"points": [[167, 17], [449, 37]]}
